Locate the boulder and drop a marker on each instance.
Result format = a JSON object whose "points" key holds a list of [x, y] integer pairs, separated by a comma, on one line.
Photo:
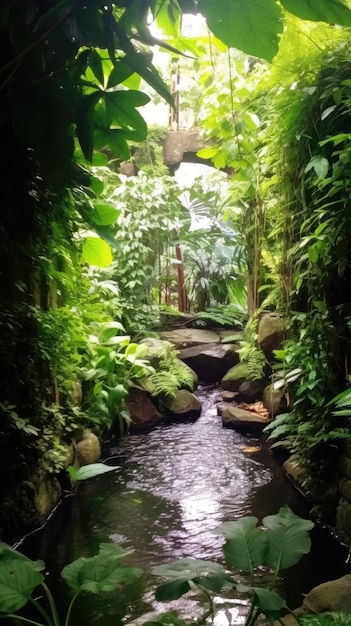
{"points": [[274, 400], [292, 469], [251, 390], [88, 449], [156, 350], [144, 414], [185, 404], [189, 337], [236, 375], [240, 419], [270, 332], [227, 396], [334, 595], [210, 361], [77, 393]]}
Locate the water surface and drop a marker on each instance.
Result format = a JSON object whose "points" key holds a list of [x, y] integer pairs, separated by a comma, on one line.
{"points": [[170, 488]]}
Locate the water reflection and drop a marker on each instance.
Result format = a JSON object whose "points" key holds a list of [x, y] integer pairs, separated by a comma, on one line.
{"points": [[170, 488]]}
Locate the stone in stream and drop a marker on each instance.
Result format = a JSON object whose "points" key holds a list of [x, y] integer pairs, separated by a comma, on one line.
{"points": [[88, 449], [235, 376], [241, 419], [185, 404], [331, 596], [144, 414], [274, 400], [251, 390]]}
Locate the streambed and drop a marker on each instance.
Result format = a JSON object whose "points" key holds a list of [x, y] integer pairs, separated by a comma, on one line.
{"points": [[171, 487]]}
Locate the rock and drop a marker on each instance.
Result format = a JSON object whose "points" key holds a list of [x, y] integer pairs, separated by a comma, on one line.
{"points": [[185, 404], [210, 361], [156, 350], [242, 420], [293, 470], [334, 595], [88, 449], [32, 502], [236, 375], [177, 142], [274, 400], [144, 414], [251, 390], [270, 332], [189, 337], [228, 395], [77, 393]]}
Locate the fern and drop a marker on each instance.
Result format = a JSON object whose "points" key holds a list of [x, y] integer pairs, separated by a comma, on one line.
{"points": [[164, 383], [227, 315], [255, 359], [171, 373], [251, 353]]}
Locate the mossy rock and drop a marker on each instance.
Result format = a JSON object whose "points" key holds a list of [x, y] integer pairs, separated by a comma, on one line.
{"points": [[236, 375]]}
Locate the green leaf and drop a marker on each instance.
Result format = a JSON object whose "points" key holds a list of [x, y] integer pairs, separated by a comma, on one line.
{"points": [[268, 602], [96, 252], [117, 394], [93, 469], [207, 153], [95, 63], [102, 572], [85, 123], [253, 26], [246, 545], [121, 109], [110, 330], [18, 580], [104, 214], [8, 553], [288, 538], [142, 66], [320, 165], [187, 568], [172, 590], [330, 11], [120, 72]]}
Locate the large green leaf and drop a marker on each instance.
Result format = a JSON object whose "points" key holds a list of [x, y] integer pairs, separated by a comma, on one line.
{"points": [[8, 553], [288, 538], [90, 471], [253, 26], [96, 252], [121, 109], [104, 214], [268, 602], [246, 545], [85, 123], [119, 74], [102, 572], [330, 11], [209, 575], [172, 590], [18, 580], [143, 66], [187, 568]]}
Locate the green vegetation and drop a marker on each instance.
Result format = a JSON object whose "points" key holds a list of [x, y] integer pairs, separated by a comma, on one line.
{"points": [[90, 258], [277, 544]]}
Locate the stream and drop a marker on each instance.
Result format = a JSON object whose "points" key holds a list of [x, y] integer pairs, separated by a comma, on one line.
{"points": [[171, 487]]}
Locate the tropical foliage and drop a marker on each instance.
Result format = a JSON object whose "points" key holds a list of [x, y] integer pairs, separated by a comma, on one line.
{"points": [[278, 543], [72, 91]]}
